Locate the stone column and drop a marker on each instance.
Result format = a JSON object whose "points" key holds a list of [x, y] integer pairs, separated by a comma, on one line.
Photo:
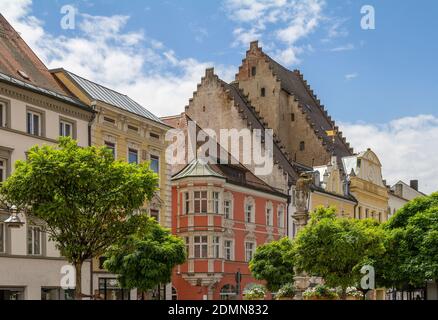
{"points": [[301, 217]]}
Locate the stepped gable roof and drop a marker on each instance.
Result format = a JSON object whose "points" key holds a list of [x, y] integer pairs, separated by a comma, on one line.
{"points": [[294, 83], [256, 122], [101, 93]]}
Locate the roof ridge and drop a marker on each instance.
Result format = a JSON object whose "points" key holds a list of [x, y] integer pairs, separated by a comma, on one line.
{"points": [[94, 82]]}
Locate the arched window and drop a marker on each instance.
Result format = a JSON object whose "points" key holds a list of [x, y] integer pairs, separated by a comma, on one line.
{"points": [[228, 292]]}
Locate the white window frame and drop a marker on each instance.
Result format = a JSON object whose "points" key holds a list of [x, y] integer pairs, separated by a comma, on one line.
{"points": [[32, 230], [3, 169], [228, 209], [269, 214], [32, 126], [3, 114], [62, 126], [215, 196], [202, 201], [186, 203], [3, 237], [202, 244], [229, 250], [280, 216], [216, 246], [249, 252], [250, 202]]}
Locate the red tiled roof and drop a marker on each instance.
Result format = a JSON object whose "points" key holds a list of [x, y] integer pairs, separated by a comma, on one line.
{"points": [[19, 61]]}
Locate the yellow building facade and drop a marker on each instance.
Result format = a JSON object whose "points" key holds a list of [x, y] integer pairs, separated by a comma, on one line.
{"points": [[134, 135]]}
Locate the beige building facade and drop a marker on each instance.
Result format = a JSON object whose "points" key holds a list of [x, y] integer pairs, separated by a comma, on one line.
{"points": [[34, 110]]}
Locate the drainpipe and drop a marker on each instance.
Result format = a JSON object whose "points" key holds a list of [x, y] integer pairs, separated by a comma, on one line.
{"points": [[90, 124]]}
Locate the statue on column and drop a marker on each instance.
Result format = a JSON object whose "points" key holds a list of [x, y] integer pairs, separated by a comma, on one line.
{"points": [[302, 195]]}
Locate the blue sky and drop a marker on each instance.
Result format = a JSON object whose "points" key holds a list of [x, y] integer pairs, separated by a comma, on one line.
{"points": [[394, 67], [381, 85]]}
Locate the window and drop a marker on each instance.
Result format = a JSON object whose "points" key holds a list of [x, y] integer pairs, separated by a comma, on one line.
{"points": [[109, 120], [249, 213], [112, 147], [359, 162], [186, 203], [367, 214], [249, 251], [280, 217], [2, 170], [228, 250], [109, 289], [201, 246], [216, 202], [133, 156], [227, 209], [200, 201], [187, 241], [33, 123], [269, 216], [359, 213], [216, 247], [65, 129], [34, 240], [156, 215], [253, 71], [263, 92], [155, 164], [302, 146], [292, 117], [2, 238], [154, 135], [2, 114], [132, 128]]}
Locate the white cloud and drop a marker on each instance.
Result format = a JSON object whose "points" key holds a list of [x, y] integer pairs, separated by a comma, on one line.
{"points": [[346, 47], [351, 76], [289, 21], [104, 52], [407, 148]]}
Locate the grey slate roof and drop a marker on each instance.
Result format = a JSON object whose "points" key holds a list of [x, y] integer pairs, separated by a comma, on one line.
{"points": [[293, 83], [26, 85], [109, 96]]}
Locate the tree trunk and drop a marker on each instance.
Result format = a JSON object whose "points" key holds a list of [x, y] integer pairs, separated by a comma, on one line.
{"points": [[78, 289]]}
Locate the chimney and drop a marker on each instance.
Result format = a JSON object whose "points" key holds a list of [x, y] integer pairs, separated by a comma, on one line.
{"points": [[414, 184], [209, 72]]}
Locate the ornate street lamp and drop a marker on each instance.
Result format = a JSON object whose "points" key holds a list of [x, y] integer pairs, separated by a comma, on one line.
{"points": [[14, 220]]}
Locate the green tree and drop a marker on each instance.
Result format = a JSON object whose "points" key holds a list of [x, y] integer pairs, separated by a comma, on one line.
{"points": [[273, 262], [337, 248], [146, 259], [84, 199], [412, 245]]}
